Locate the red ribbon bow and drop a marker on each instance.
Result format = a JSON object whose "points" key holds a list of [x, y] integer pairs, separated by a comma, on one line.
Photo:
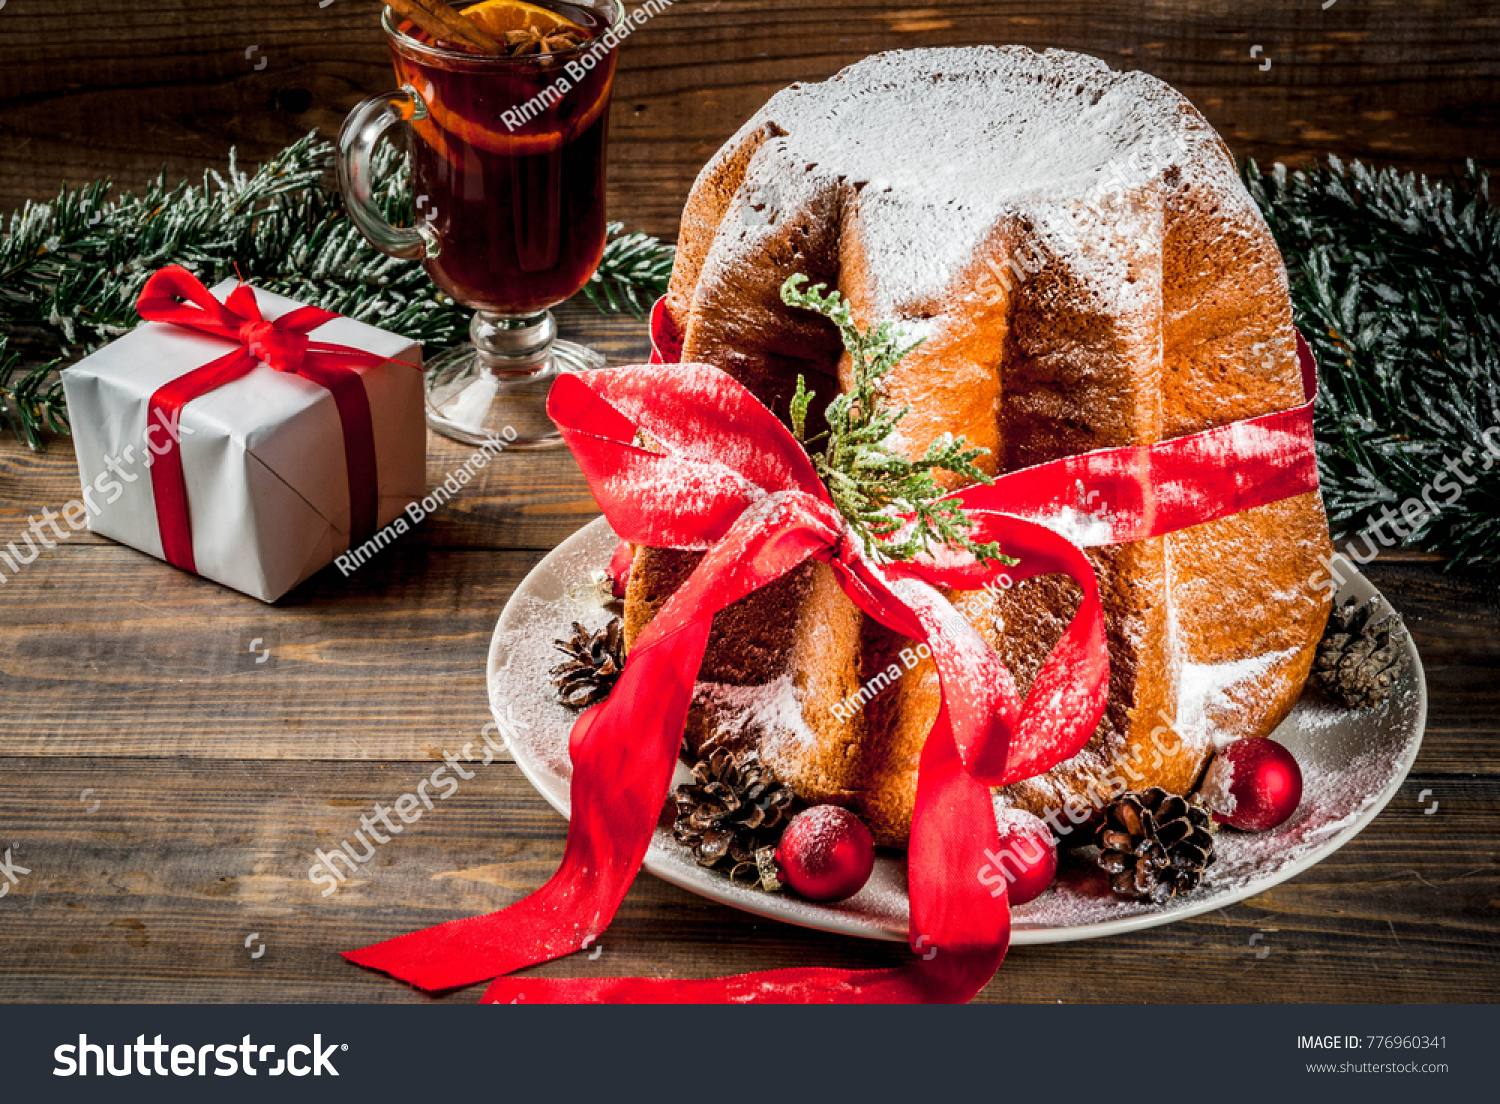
{"points": [[733, 482], [283, 345]]}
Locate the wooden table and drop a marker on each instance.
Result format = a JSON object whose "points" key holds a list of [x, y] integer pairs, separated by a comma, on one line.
{"points": [[166, 783], [125, 87]]}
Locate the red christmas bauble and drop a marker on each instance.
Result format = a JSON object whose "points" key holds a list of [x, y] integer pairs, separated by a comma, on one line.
{"points": [[825, 854], [619, 567], [1252, 784], [1027, 858]]}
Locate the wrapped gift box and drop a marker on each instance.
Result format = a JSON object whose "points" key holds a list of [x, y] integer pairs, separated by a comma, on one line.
{"points": [[263, 456]]}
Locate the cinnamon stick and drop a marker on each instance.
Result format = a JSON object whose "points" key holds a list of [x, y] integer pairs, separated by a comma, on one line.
{"points": [[441, 21]]}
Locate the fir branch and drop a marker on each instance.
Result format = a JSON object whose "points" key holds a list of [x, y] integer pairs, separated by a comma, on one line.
{"points": [[893, 504], [35, 402], [632, 274], [1395, 282], [71, 269]]}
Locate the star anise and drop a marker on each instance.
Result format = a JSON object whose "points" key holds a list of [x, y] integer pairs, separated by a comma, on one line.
{"points": [[530, 40]]}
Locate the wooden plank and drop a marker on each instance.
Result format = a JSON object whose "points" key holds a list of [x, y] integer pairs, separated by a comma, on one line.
{"points": [[105, 651], [522, 500], [152, 896], [113, 653], [1407, 83]]}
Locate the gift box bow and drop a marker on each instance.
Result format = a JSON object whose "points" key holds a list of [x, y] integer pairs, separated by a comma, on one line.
{"points": [[724, 476], [280, 343]]}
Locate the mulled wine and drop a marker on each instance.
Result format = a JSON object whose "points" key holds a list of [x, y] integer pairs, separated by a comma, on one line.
{"points": [[508, 165], [507, 109]]}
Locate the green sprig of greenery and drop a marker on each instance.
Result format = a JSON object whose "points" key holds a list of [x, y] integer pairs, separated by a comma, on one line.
{"points": [[894, 505]]}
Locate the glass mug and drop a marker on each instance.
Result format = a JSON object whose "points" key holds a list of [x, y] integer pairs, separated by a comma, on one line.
{"points": [[507, 162]]}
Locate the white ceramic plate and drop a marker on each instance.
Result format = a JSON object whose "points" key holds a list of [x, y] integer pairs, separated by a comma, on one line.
{"points": [[1352, 763]]}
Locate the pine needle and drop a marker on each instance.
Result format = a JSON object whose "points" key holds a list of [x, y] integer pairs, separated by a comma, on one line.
{"points": [[1395, 283], [32, 403], [71, 269], [633, 273]]}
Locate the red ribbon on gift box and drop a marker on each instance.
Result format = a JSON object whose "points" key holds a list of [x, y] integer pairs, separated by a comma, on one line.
{"points": [[281, 344], [732, 481]]}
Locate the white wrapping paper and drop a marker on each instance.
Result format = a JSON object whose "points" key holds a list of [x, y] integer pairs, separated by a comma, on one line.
{"points": [[263, 457]]}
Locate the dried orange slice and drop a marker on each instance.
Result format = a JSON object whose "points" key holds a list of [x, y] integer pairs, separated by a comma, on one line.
{"points": [[495, 17], [491, 134]]}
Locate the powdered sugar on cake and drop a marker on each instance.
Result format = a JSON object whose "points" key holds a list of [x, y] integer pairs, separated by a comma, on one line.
{"points": [[773, 709], [1084, 530], [1208, 690], [1069, 126]]}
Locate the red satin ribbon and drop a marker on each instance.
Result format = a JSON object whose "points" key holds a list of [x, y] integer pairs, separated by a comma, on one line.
{"points": [[733, 482], [283, 345]]}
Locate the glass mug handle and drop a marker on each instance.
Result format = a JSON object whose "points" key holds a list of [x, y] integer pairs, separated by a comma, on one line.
{"points": [[361, 132]]}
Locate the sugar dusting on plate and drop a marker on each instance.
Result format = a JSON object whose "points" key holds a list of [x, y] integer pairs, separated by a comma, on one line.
{"points": [[1336, 792]]}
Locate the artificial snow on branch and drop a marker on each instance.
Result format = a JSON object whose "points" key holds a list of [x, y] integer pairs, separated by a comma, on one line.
{"points": [[71, 269], [1396, 286]]}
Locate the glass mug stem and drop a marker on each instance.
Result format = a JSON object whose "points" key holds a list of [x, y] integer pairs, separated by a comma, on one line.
{"points": [[512, 346]]}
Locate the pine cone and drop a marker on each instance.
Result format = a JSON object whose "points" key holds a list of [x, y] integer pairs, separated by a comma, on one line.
{"points": [[1154, 845], [1360, 656], [734, 807], [593, 665]]}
